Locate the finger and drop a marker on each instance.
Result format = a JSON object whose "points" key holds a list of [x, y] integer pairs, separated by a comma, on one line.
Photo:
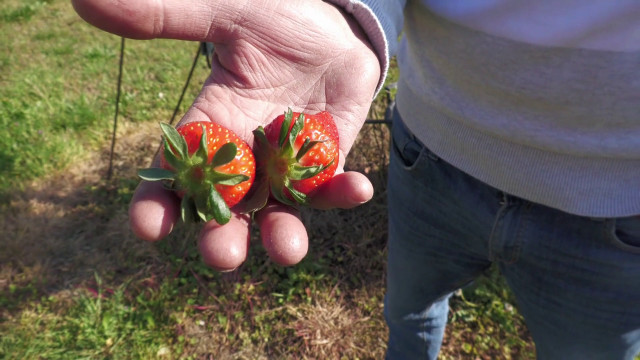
{"points": [[224, 248], [175, 19], [283, 234], [345, 191], [153, 211]]}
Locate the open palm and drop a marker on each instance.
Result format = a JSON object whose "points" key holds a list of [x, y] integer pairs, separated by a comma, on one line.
{"points": [[269, 55]]}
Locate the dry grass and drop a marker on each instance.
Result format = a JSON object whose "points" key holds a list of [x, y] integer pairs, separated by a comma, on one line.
{"points": [[63, 229], [333, 328]]}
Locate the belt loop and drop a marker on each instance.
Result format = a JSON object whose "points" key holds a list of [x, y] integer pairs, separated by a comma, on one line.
{"points": [[406, 135], [504, 198]]}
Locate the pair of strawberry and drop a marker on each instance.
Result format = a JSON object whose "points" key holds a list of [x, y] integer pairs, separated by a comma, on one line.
{"points": [[212, 169]]}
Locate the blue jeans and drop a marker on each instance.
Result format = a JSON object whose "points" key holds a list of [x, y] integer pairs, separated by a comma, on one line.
{"points": [[576, 279]]}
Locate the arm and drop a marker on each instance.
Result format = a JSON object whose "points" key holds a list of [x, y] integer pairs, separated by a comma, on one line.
{"points": [[270, 55], [382, 21]]}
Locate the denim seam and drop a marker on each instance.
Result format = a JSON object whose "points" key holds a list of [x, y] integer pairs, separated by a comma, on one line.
{"points": [[399, 147], [497, 222], [519, 240]]}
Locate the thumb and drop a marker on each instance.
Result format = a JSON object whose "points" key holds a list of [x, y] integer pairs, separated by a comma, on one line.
{"points": [[344, 191], [174, 19]]}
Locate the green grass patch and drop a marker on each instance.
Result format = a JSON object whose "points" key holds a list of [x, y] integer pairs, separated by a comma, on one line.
{"points": [[100, 324], [58, 86], [21, 12]]}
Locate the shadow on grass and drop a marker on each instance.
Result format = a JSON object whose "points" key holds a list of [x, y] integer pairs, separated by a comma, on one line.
{"points": [[67, 238], [62, 230]]}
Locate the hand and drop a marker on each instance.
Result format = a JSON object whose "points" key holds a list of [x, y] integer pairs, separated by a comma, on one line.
{"points": [[269, 55]]}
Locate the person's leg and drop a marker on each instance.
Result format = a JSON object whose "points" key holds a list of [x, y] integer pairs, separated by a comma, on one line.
{"points": [[576, 280], [438, 226]]}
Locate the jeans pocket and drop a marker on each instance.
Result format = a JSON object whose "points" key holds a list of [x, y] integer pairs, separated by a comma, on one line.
{"points": [[408, 153], [404, 145], [625, 233]]}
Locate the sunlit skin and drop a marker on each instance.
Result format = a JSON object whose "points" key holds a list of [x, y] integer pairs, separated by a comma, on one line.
{"points": [[266, 60]]}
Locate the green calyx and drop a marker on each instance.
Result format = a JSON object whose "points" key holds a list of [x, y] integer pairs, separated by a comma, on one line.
{"points": [[282, 164], [193, 176]]}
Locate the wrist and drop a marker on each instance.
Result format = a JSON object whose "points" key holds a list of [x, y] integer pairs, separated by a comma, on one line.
{"points": [[367, 27]]}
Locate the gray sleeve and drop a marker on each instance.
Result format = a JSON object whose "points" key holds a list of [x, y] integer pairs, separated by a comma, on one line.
{"points": [[382, 22]]}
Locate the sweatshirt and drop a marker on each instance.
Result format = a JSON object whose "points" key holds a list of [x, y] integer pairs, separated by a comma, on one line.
{"points": [[539, 99]]}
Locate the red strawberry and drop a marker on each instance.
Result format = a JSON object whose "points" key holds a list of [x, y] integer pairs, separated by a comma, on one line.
{"points": [[297, 152], [209, 166]]}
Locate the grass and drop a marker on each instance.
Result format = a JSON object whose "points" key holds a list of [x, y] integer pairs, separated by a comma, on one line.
{"points": [[75, 283], [57, 86]]}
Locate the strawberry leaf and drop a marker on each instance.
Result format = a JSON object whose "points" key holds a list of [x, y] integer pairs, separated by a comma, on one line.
{"points": [[187, 209], [295, 130], [171, 158], [211, 206], [308, 145], [278, 193], [299, 172], [201, 209], [175, 140], [218, 207], [298, 196], [228, 179], [203, 150], [262, 143], [284, 129], [224, 155], [156, 174]]}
